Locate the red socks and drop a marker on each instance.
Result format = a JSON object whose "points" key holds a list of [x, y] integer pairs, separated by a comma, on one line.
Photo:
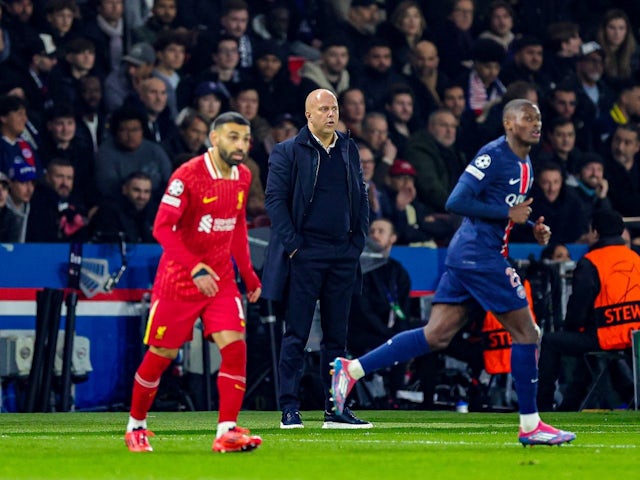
{"points": [[232, 381], [145, 383]]}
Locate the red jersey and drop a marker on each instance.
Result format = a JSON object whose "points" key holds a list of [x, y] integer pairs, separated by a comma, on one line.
{"points": [[202, 218]]}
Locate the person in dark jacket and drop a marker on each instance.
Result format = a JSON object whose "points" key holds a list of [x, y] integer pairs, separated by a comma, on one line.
{"points": [[317, 202], [382, 310], [9, 221], [131, 214], [579, 333], [56, 213]]}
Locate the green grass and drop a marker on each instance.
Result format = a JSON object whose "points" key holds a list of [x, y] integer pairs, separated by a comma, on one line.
{"points": [[402, 444]]}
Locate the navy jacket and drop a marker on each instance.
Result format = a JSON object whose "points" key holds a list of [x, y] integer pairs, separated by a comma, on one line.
{"points": [[293, 167]]}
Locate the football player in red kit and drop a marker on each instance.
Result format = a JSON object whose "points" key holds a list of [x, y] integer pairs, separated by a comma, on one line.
{"points": [[201, 225]]}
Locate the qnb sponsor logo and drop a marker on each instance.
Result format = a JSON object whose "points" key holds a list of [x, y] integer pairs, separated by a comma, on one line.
{"points": [[514, 199], [208, 224]]}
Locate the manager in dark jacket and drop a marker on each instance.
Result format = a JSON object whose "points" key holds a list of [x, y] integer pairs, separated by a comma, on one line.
{"points": [[317, 202]]}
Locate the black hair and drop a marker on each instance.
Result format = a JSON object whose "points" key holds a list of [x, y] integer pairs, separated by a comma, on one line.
{"points": [[229, 117], [124, 114], [11, 103]]}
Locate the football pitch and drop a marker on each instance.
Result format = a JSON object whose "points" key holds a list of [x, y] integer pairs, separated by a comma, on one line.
{"points": [[402, 444]]}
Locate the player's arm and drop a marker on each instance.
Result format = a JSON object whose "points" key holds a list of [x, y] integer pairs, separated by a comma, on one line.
{"points": [[277, 198], [464, 201], [166, 225], [242, 257]]}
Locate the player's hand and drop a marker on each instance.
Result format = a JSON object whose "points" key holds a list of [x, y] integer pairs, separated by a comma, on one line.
{"points": [[520, 213], [205, 279], [255, 295], [541, 232]]}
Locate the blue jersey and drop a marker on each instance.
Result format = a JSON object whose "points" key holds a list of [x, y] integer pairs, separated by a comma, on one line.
{"points": [[497, 176]]}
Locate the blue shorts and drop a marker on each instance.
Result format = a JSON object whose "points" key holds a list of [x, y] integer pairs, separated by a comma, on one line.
{"points": [[497, 290]]}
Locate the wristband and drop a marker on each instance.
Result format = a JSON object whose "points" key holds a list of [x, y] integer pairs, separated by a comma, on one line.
{"points": [[200, 273]]}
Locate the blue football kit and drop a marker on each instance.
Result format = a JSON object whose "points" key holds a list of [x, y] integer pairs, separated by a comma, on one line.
{"points": [[495, 180]]}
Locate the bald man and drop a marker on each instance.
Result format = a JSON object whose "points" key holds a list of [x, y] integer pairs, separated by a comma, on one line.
{"points": [[491, 195], [317, 201]]}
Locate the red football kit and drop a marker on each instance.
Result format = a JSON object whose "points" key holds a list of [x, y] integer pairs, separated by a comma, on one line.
{"points": [[201, 218]]}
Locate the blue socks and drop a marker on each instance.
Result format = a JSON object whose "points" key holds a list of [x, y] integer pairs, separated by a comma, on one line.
{"points": [[402, 347], [524, 370]]}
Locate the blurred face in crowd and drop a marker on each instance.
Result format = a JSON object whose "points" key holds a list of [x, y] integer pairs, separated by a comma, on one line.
{"points": [[61, 21], [572, 46], [592, 174], [247, 103], [365, 18], [411, 23], [550, 182], [624, 146], [154, 95], [12, 124], [209, 105], [22, 10], [111, 10], [615, 31], [376, 131], [443, 127], [195, 134], [462, 14], [590, 68], [278, 21], [139, 72], [21, 192], [560, 254], [631, 101], [487, 71], [381, 232], [401, 107], [268, 66], [378, 59], [91, 92], [367, 162], [424, 58], [335, 59], [564, 103], [60, 178], [453, 100], [563, 139], [353, 106], [130, 134], [235, 22], [4, 193], [284, 131], [530, 57], [62, 129], [138, 191], [501, 21], [44, 63], [83, 61], [172, 56], [226, 56], [165, 11]]}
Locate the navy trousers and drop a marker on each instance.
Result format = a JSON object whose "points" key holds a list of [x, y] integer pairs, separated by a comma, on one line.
{"points": [[324, 272]]}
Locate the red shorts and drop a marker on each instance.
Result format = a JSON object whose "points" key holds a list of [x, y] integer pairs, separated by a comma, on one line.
{"points": [[170, 322]]}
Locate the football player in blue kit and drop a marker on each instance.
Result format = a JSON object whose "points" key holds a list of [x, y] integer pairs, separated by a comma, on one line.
{"points": [[491, 195]]}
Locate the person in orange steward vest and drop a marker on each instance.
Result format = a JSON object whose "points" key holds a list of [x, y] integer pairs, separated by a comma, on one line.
{"points": [[496, 341], [603, 310]]}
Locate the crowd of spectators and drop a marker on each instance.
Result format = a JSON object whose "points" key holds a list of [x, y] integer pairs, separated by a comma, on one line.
{"points": [[98, 98]]}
